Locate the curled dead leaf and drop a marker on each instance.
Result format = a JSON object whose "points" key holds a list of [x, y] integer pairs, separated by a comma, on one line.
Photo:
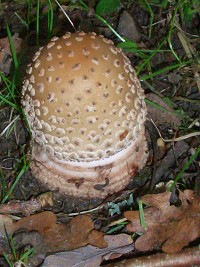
{"points": [[91, 256], [168, 226]]}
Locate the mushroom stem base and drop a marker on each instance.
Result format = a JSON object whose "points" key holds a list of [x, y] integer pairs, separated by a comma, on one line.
{"points": [[95, 179]]}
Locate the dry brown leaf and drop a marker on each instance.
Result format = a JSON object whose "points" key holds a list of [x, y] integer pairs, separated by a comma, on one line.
{"points": [[95, 238], [167, 225], [90, 256], [57, 237], [160, 118]]}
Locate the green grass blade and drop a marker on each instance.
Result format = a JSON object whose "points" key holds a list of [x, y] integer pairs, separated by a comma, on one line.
{"points": [[146, 61], [12, 246], [9, 103], [141, 212], [22, 20], [103, 21], [149, 9], [71, 22], [22, 171], [12, 48], [178, 177], [27, 254], [110, 27], [115, 228], [155, 105], [5, 80], [7, 259], [38, 22], [166, 69], [50, 19], [28, 12], [7, 94], [171, 29], [131, 46]]}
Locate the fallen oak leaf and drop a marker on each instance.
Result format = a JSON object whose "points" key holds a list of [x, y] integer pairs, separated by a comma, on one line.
{"points": [[152, 216], [90, 256], [95, 238], [182, 237], [168, 212], [58, 237], [174, 236], [162, 200], [166, 225]]}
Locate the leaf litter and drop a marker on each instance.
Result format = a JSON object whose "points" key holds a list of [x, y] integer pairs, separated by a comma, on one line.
{"points": [[91, 256], [167, 226], [171, 223], [93, 245]]}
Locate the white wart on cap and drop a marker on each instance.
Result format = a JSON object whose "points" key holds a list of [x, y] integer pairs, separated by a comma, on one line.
{"points": [[86, 112]]}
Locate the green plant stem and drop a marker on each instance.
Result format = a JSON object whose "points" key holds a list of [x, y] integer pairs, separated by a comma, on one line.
{"points": [[50, 19], [102, 20]]}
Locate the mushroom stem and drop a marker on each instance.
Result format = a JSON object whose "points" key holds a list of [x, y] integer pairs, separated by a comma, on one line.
{"points": [[89, 179]]}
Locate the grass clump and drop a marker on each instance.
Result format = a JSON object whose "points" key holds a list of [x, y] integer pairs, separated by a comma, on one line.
{"points": [[17, 258]]}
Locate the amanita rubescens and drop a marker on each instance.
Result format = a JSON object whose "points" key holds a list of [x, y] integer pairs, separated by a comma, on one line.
{"points": [[86, 112]]}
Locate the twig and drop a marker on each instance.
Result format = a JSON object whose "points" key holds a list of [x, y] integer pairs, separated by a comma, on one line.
{"points": [[177, 138], [86, 211], [186, 257], [28, 207]]}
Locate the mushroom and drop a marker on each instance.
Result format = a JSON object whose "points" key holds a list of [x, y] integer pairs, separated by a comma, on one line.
{"points": [[85, 108]]}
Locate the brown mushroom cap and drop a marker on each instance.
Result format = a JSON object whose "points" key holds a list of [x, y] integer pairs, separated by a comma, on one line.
{"points": [[85, 108]]}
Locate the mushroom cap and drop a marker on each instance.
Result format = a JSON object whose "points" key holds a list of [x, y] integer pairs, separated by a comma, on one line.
{"points": [[85, 107]]}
